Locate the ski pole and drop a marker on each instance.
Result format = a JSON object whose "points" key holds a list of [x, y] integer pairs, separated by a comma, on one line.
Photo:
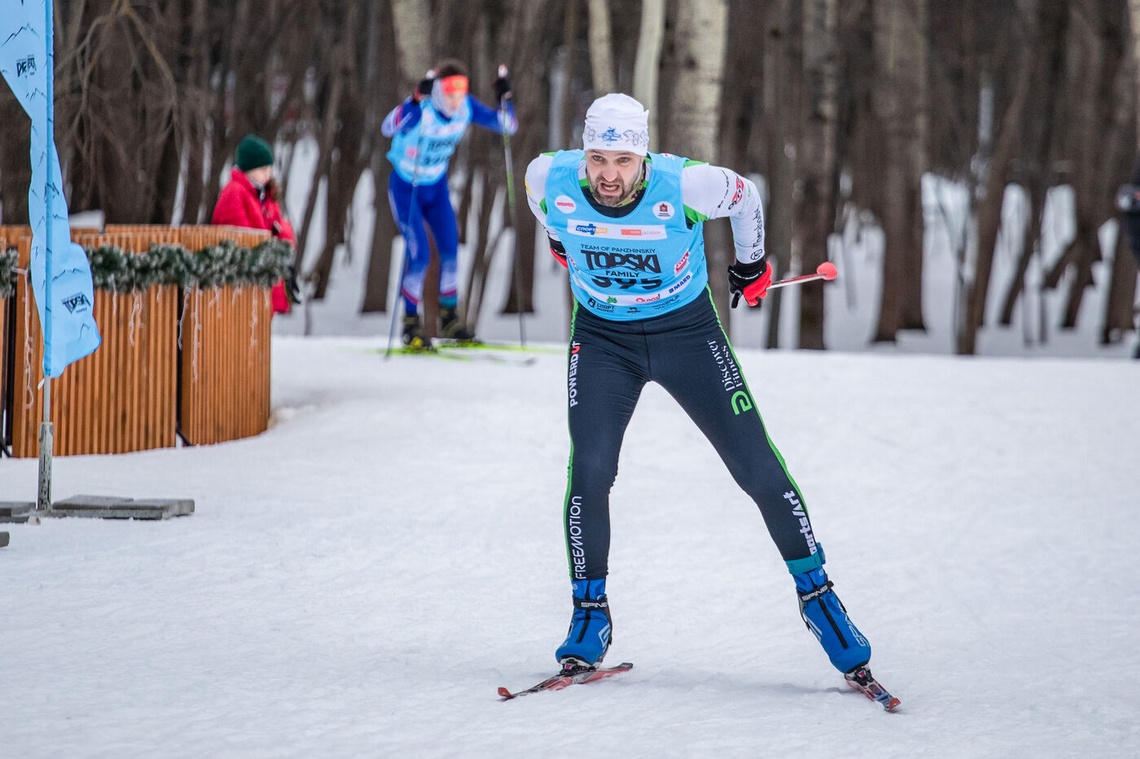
{"points": [[409, 239], [398, 304], [825, 270], [503, 120]]}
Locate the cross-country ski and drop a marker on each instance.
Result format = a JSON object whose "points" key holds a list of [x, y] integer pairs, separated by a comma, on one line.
{"points": [[566, 679]]}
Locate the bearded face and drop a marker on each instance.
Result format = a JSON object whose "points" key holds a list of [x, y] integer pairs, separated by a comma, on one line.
{"points": [[613, 175]]}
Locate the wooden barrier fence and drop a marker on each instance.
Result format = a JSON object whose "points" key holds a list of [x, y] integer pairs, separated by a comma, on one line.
{"points": [[194, 362], [5, 344]]}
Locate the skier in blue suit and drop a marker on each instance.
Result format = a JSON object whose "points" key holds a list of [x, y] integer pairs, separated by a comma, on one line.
{"points": [[425, 130]]}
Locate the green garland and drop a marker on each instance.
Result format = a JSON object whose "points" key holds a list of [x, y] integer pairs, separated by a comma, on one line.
{"points": [[216, 266]]}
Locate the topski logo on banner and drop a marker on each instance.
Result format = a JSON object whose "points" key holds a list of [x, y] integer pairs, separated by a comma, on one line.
{"points": [[66, 318]]}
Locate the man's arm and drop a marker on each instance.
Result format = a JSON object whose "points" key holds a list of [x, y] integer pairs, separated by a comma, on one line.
{"points": [[714, 192], [487, 117], [401, 118], [535, 184]]}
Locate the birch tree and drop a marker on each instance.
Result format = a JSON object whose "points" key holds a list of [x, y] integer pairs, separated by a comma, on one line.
{"points": [[648, 62], [693, 120], [601, 48], [699, 44], [411, 20]]}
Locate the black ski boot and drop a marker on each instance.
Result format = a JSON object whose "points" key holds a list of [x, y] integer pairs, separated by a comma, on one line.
{"points": [[414, 337], [451, 328]]}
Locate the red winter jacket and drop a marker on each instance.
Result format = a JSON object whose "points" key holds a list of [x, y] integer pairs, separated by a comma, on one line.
{"points": [[240, 204]]}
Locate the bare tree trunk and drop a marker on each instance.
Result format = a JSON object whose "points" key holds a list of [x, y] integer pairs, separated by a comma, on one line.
{"points": [[347, 162], [121, 148], [1038, 145], [897, 43], [484, 244], [700, 44], [1120, 310], [989, 209], [701, 39], [526, 38], [324, 158], [1035, 191], [568, 105], [649, 61], [601, 48], [916, 53], [194, 114], [782, 58], [818, 176], [483, 162], [989, 223], [1097, 140], [384, 233], [15, 136], [735, 125], [412, 22], [1134, 39]]}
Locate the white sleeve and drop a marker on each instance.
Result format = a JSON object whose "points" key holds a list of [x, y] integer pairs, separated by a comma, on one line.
{"points": [[388, 127], [714, 192], [535, 183]]}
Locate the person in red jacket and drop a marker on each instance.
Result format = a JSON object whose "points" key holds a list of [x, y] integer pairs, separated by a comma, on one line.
{"points": [[250, 200]]}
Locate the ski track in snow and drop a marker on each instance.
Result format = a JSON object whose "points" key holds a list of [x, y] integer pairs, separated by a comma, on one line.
{"points": [[361, 578]]}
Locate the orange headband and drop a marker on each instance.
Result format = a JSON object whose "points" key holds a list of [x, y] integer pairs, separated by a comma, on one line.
{"points": [[453, 85]]}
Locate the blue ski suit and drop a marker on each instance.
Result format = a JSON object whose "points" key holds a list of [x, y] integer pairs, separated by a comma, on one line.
{"points": [[423, 141]]}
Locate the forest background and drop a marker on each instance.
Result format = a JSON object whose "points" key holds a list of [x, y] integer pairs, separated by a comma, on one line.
{"points": [[843, 109]]}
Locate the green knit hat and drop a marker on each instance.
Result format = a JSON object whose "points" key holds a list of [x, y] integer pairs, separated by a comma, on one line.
{"points": [[253, 153]]}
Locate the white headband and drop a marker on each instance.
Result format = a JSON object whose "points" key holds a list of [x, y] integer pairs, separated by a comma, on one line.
{"points": [[617, 122]]}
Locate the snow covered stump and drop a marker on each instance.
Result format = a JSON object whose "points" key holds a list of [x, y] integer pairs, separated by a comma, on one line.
{"points": [[112, 507]]}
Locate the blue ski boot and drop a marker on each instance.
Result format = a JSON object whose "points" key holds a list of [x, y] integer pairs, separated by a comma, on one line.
{"points": [[827, 619], [589, 634]]}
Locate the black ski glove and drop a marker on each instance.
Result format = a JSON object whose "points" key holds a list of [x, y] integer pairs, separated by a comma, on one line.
{"points": [[423, 89], [750, 280], [292, 290], [502, 89], [558, 250]]}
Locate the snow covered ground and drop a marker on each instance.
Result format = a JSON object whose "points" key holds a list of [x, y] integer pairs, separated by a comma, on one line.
{"points": [[358, 580]]}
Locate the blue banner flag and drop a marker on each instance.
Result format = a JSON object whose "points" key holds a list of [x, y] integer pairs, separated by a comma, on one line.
{"points": [[61, 274]]}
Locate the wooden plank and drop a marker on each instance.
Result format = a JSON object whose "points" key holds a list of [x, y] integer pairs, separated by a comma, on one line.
{"points": [[5, 346], [103, 403], [29, 353], [125, 396], [225, 377]]}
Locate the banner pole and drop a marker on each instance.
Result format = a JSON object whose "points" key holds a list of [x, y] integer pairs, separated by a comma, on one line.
{"points": [[43, 491]]}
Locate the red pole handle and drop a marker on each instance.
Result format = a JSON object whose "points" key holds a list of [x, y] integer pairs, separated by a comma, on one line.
{"points": [[825, 270]]}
